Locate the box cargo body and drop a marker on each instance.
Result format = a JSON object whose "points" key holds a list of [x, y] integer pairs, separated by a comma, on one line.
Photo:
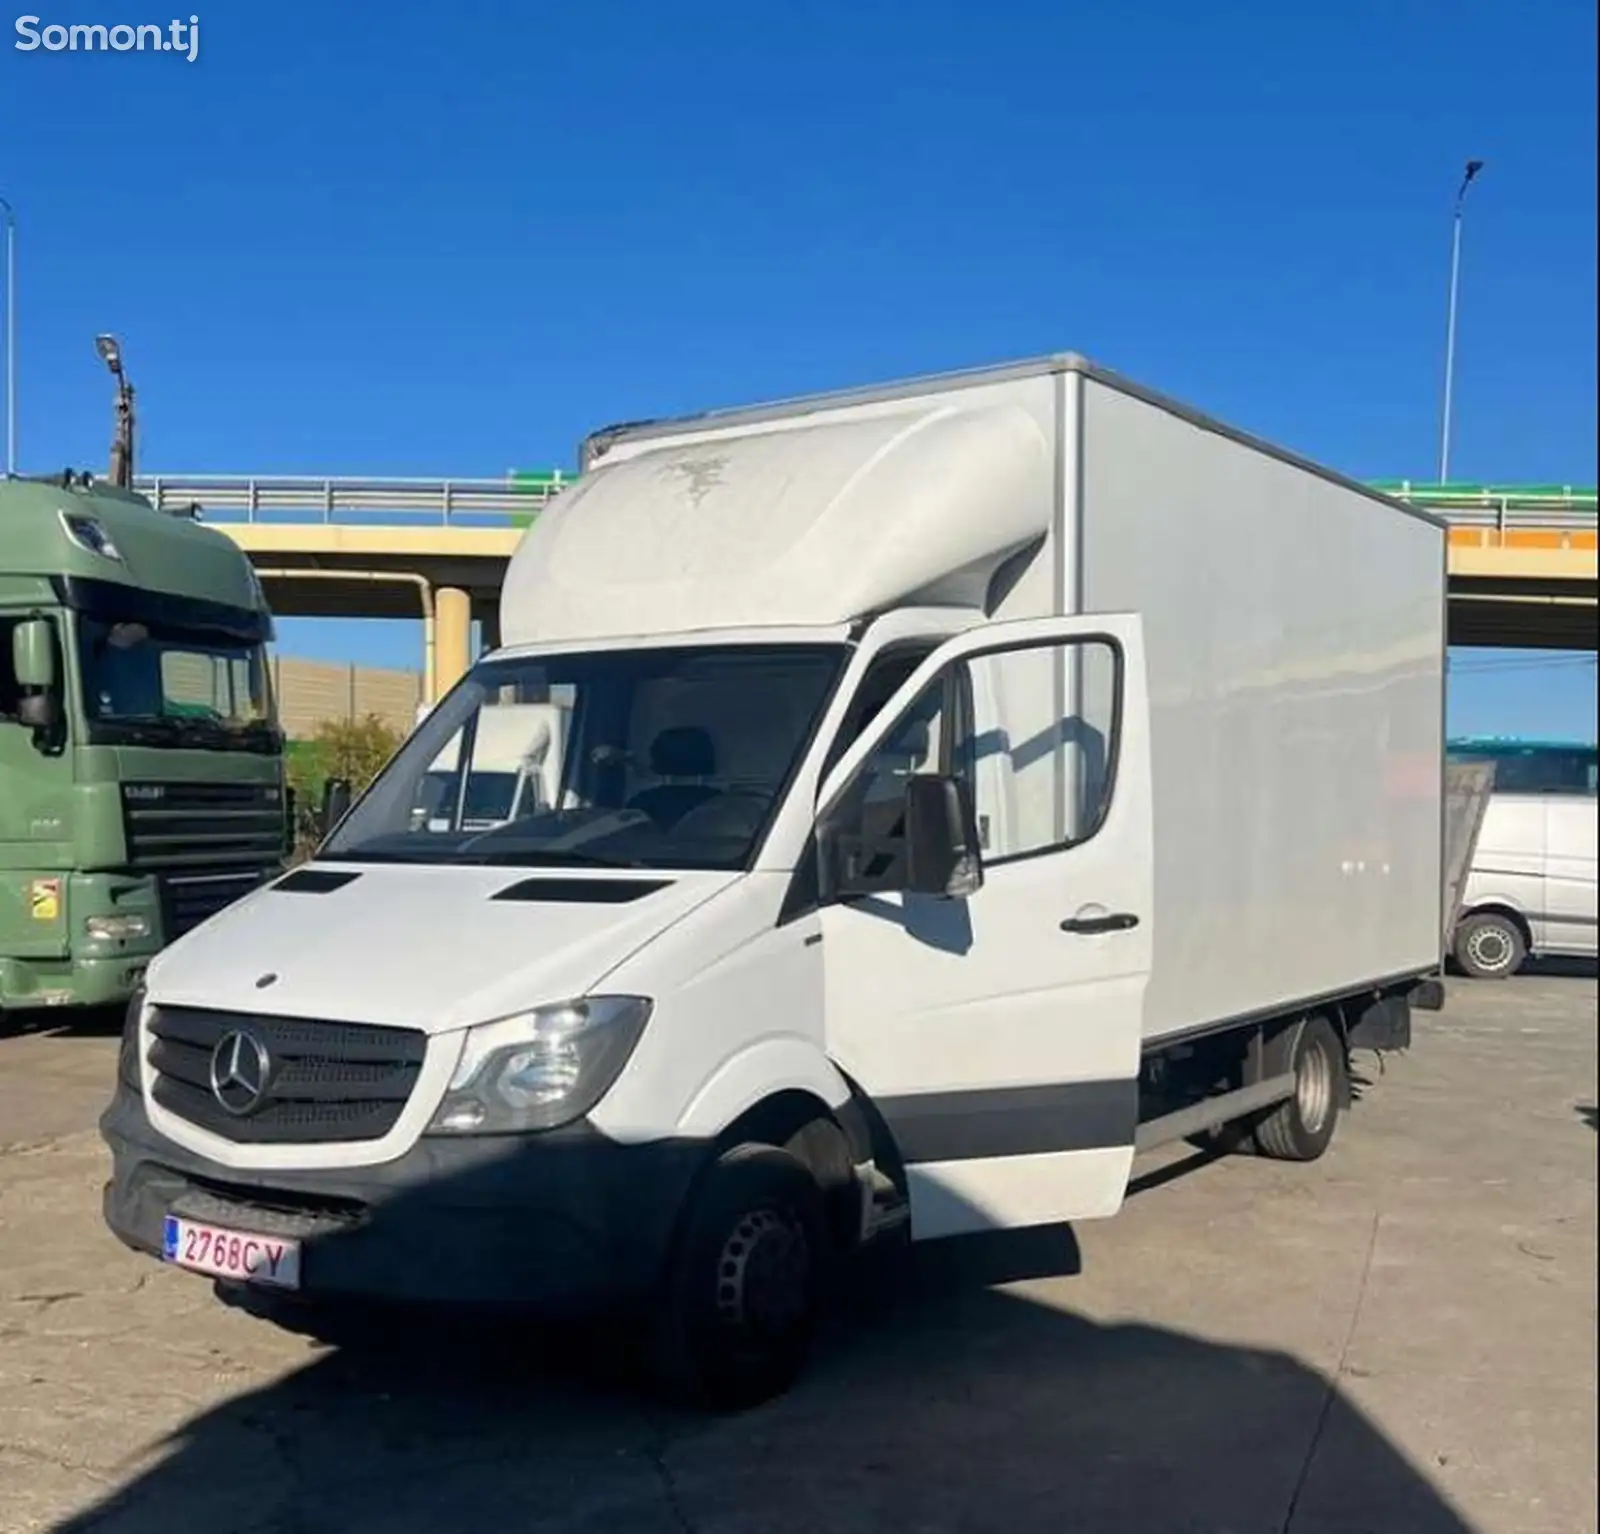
{"points": [[1294, 626], [888, 813]]}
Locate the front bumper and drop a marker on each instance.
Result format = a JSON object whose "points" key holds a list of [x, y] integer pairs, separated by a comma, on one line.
{"points": [[559, 1222], [76, 982], [58, 964]]}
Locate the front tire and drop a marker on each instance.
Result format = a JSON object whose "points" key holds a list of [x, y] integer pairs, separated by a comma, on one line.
{"points": [[1301, 1128], [743, 1288], [1490, 946]]}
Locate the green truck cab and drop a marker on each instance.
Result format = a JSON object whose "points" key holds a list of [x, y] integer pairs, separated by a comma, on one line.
{"points": [[141, 765]]}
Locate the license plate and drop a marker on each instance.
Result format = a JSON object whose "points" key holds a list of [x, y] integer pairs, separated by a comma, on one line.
{"points": [[235, 1254]]}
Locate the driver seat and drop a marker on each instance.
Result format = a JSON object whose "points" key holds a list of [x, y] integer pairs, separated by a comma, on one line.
{"points": [[683, 751]]}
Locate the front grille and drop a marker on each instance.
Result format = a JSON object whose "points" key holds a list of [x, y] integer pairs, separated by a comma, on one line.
{"points": [[324, 1081], [189, 899], [203, 825]]}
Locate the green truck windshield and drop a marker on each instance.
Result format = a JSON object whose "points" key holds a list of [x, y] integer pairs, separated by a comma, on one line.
{"points": [[136, 673]]}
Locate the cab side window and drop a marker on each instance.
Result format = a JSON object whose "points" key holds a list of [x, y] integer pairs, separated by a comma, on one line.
{"points": [[1030, 729], [932, 736], [1044, 745], [884, 678], [887, 674]]}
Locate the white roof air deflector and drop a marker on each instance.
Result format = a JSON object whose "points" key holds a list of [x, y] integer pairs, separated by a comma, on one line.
{"points": [[797, 523]]}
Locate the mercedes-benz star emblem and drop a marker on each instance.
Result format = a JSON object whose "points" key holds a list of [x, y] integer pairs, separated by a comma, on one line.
{"points": [[240, 1069]]}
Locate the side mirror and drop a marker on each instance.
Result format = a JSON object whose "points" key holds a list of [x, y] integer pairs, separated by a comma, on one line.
{"points": [[33, 654], [335, 802], [942, 849], [39, 711], [33, 660]]}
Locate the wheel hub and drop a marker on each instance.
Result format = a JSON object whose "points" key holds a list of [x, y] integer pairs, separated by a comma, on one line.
{"points": [[763, 1274], [1489, 948], [1314, 1090]]}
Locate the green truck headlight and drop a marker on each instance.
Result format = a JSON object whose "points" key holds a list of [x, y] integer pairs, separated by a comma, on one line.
{"points": [[110, 929]]}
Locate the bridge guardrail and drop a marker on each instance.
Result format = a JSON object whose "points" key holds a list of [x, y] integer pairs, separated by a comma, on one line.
{"points": [[519, 496], [296, 498]]}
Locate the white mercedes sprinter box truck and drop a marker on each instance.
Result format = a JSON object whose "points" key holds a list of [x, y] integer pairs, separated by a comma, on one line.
{"points": [[959, 786]]}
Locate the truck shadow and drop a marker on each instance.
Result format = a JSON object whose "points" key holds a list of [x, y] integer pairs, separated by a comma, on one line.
{"points": [[936, 1401], [64, 1022]]}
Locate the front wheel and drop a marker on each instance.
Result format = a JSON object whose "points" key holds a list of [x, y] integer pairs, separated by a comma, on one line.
{"points": [[1490, 946], [743, 1287]]}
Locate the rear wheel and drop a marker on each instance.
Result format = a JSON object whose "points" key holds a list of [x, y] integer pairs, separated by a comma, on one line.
{"points": [[1490, 946], [1301, 1128], [742, 1293]]}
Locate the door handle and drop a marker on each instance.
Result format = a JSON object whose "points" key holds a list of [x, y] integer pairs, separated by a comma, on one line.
{"points": [[1116, 921]]}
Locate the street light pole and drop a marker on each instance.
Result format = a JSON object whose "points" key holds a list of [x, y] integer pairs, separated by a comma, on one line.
{"points": [[121, 474], [1473, 167], [9, 214]]}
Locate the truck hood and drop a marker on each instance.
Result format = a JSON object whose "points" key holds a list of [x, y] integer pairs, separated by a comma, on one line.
{"points": [[429, 947]]}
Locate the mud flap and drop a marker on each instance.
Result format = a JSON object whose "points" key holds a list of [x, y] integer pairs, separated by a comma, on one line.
{"points": [[1383, 1024]]}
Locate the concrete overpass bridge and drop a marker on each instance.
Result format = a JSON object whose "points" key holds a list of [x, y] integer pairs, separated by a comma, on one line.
{"points": [[1522, 558]]}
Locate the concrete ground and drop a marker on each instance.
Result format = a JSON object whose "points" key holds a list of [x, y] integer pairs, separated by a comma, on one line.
{"points": [[1398, 1338]]}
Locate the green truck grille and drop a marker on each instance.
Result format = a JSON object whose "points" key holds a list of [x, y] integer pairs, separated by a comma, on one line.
{"points": [[207, 843]]}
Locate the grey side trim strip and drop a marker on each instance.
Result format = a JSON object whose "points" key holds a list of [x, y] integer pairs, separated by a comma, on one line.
{"points": [[1013, 1121], [1212, 1111]]}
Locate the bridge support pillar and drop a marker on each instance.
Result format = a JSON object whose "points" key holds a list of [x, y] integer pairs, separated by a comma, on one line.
{"points": [[453, 644]]}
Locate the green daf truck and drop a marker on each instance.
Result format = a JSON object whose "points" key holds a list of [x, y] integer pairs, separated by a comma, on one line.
{"points": [[141, 767]]}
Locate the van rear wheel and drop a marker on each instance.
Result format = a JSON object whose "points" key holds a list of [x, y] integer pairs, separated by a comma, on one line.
{"points": [[1301, 1127], [1490, 946], [739, 1305]]}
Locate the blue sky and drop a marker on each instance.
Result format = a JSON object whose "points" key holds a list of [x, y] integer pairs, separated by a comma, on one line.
{"points": [[449, 241]]}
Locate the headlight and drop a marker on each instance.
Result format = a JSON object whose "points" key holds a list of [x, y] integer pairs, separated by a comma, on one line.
{"points": [[540, 1069], [113, 929]]}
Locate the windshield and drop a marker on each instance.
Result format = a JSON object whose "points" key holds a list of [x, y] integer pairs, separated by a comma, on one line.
{"points": [[148, 684], [656, 758]]}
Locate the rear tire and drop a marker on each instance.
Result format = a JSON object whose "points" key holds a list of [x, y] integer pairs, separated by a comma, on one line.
{"points": [[742, 1294], [1302, 1127], [1490, 946]]}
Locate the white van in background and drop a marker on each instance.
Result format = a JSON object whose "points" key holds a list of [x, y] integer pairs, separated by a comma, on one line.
{"points": [[511, 771], [1532, 889]]}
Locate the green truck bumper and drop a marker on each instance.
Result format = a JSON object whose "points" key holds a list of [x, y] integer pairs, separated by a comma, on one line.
{"points": [[47, 956], [29, 983]]}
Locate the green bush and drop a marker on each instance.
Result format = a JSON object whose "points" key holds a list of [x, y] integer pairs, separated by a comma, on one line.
{"points": [[354, 749]]}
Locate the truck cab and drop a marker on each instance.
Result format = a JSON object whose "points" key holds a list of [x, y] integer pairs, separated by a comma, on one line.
{"points": [[141, 766]]}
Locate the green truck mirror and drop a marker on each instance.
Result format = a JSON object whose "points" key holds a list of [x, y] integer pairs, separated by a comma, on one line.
{"points": [[33, 659], [33, 654]]}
